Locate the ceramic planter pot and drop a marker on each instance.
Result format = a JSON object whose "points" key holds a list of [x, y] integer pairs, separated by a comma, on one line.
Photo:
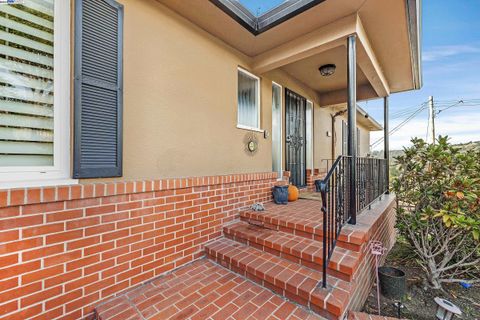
{"points": [[392, 282]]}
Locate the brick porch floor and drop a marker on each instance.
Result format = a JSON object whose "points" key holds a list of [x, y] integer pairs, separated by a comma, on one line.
{"points": [[268, 259], [201, 290]]}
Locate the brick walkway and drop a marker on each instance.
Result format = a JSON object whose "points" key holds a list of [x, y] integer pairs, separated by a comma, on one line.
{"points": [[201, 290]]}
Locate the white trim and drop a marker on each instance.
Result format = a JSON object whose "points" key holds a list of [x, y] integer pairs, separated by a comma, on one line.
{"points": [[274, 84], [37, 183], [309, 114], [241, 126], [60, 171]]}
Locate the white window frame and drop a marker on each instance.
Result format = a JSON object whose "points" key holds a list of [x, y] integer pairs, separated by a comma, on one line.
{"points": [[59, 173], [309, 123], [241, 126], [274, 84]]}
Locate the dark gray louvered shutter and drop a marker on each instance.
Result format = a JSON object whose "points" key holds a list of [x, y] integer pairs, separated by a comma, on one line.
{"points": [[98, 89]]}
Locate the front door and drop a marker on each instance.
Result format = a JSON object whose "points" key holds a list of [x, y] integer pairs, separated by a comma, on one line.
{"points": [[295, 106]]}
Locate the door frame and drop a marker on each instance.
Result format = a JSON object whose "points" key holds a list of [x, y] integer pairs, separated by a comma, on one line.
{"points": [[287, 91], [309, 135], [281, 133]]}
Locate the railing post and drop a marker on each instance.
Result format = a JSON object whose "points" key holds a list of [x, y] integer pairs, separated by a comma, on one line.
{"points": [[386, 142], [352, 124], [323, 190]]}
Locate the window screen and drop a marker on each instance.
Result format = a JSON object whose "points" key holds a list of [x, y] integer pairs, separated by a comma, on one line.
{"points": [[248, 100]]}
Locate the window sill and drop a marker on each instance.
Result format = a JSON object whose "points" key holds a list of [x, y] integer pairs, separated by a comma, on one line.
{"points": [[239, 126], [37, 183]]}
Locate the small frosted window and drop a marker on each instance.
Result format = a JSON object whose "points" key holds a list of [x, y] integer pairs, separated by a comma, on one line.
{"points": [[248, 100]]}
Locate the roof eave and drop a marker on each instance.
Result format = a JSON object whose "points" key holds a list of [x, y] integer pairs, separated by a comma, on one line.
{"points": [[375, 125], [414, 14], [268, 20]]}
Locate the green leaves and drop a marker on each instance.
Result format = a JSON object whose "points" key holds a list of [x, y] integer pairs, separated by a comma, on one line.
{"points": [[438, 196], [476, 234], [440, 181]]}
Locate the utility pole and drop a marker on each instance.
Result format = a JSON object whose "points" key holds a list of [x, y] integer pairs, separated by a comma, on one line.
{"points": [[431, 119]]}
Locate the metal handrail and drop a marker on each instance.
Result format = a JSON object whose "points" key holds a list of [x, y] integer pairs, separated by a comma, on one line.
{"points": [[336, 205], [328, 161]]}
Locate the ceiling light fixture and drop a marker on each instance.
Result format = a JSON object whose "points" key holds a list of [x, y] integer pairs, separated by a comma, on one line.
{"points": [[327, 70]]}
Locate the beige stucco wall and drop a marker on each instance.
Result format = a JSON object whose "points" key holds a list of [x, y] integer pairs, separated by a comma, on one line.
{"points": [[180, 101], [323, 143], [364, 137], [364, 141]]}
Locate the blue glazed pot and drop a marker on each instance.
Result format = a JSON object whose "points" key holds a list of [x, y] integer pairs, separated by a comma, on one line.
{"points": [[280, 194]]}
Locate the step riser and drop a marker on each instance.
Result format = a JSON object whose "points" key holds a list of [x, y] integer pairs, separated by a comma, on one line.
{"points": [[315, 265], [298, 296], [308, 235], [287, 278]]}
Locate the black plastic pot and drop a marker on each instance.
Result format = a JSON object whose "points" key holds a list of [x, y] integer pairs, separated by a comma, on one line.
{"points": [[280, 194], [392, 282]]}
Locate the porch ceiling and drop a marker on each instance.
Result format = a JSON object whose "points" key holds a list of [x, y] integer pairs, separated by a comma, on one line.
{"points": [[387, 43], [307, 70], [211, 18]]}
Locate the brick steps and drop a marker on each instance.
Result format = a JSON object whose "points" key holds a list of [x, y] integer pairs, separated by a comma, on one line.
{"points": [[301, 250], [201, 290], [287, 278], [309, 226]]}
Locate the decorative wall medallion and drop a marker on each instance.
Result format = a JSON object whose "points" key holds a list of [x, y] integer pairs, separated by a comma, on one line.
{"points": [[251, 143]]}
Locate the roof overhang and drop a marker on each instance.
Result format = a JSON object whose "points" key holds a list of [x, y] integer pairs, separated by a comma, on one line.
{"points": [[363, 117], [322, 40], [367, 120], [414, 14], [259, 24], [300, 35]]}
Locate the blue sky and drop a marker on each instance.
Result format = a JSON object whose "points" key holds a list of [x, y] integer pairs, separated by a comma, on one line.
{"points": [[451, 70], [259, 7]]}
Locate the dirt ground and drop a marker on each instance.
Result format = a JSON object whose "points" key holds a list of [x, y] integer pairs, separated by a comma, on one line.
{"points": [[419, 304]]}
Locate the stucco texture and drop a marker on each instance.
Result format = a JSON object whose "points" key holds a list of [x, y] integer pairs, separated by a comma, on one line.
{"points": [[180, 101]]}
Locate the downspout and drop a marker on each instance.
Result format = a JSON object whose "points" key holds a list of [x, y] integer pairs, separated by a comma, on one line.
{"points": [[334, 134]]}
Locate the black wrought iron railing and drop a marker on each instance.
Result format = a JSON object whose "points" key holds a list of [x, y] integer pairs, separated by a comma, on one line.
{"points": [[328, 163], [371, 183]]}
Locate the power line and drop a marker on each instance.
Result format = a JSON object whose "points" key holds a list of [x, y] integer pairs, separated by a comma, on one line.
{"points": [[464, 102], [412, 112], [406, 111], [451, 106], [400, 125]]}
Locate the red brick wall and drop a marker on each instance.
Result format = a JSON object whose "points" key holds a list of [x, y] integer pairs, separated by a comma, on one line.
{"points": [[63, 249], [312, 176], [383, 231]]}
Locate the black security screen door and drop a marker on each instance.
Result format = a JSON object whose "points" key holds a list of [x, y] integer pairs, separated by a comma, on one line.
{"points": [[295, 107]]}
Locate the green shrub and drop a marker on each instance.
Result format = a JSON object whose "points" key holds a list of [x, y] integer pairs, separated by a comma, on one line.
{"points": [[438, 194]]}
